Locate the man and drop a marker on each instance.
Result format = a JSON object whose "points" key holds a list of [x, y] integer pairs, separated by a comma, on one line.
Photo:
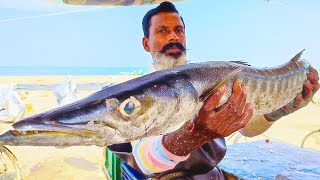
{"points": [[193, 151]]}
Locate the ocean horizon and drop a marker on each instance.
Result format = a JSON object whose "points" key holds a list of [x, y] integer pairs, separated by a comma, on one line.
{"points": [[46, 70]]}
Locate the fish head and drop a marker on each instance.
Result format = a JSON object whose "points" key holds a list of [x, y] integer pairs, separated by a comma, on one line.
{"points": [[113, 115]]}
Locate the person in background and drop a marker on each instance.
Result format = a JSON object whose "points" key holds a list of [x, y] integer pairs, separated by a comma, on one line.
{"points": [[194, 150]]}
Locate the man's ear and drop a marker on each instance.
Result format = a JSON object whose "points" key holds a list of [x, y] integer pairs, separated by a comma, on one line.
{"points": [[145, 43]]}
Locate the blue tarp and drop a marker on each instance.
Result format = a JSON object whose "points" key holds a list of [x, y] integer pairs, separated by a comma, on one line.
{"points": [[271, 160]]}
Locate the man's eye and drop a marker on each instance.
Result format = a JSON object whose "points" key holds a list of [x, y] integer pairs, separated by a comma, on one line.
{"points": [[162, 31], [179, 31]]}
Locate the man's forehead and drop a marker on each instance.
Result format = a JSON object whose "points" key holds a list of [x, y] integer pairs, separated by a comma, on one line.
{"points": [[165, 19]]}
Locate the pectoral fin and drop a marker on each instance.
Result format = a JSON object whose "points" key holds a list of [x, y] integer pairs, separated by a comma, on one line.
{"points": [[206, 94]]}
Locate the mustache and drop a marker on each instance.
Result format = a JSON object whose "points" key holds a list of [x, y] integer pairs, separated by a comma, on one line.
{"points": [[170, 45]]}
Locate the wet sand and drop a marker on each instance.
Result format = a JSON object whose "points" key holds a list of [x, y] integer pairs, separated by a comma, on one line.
{"points": [[86, 162]]}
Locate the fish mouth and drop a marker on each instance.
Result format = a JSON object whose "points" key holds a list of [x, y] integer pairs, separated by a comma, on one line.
{"points": [[31, 132], [59, 127], [42, 132], [74, 120], [45, 129], [39, 125], [46, 138]]}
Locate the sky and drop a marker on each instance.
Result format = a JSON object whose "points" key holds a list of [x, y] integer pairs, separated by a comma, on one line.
{"points": [[262, 33]]}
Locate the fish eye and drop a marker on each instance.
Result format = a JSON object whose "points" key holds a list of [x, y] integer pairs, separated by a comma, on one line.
{"points": [[130, 107]]}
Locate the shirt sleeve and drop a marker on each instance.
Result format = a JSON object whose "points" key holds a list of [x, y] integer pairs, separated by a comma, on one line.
{"points": [[256, 126], [152, 157]]}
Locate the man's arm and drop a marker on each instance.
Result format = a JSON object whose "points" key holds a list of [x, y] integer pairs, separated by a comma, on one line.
{"points": [[162, 153], [262, 123]]}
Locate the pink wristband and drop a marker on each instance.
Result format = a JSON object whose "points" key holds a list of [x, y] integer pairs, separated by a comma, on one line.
{"points": [[172, 156]]}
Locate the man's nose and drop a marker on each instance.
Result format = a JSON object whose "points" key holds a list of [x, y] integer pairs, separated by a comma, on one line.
{"points": [[173, 37]]}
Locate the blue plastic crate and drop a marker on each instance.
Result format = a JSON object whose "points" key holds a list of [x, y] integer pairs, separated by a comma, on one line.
{"points": [[128, 173]]}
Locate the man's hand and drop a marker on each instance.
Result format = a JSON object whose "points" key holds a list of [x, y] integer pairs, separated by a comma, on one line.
{"points": [[232, 116], [212, 122], [310, 87]]}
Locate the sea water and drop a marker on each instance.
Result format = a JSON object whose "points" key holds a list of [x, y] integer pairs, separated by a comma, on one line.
{"points": [[40, 70]]}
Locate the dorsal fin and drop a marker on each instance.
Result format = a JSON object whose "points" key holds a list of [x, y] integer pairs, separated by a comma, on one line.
{"points": [[297, 57], [241, 62]]}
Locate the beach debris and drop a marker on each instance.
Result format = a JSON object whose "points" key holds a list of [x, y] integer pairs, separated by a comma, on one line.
{"points": [[11, 105], [157, 103], [66, 92], [134, 73], [12, 158]]}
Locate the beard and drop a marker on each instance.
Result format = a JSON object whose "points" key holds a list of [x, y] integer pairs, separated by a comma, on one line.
{"points": [[162, 61]]}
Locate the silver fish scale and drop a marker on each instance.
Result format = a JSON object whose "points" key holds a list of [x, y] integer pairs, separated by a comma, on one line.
{"points": [[267, 89]]}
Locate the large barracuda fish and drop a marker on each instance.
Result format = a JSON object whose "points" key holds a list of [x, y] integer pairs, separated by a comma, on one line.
{"points": [[156, 103]]}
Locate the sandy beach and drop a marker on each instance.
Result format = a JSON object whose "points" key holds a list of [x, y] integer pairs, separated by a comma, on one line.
{"points": [[86, 162]]}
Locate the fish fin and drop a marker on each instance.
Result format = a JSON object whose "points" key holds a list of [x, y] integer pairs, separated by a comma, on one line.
{"points": [[206, 94], [242, 63], [297, 57]]}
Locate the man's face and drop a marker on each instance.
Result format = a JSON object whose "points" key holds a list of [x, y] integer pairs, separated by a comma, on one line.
{"points": [[166, 41]]}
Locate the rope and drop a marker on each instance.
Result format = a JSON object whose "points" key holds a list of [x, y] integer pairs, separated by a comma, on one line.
{"points": [[305, 138]]}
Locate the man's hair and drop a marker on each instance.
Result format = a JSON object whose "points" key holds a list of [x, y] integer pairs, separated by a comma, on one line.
{"points": [[163, 7]]}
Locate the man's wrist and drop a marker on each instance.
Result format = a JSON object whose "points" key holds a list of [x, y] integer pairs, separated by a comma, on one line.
{"points": [[170, 155], [183, 141]]}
